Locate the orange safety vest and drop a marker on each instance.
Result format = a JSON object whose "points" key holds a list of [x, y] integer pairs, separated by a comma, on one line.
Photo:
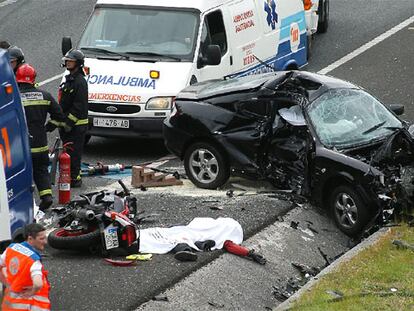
{"points": [[19, 259]]}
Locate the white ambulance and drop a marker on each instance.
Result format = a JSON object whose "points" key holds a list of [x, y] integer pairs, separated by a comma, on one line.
{"points": [[141, 53]]}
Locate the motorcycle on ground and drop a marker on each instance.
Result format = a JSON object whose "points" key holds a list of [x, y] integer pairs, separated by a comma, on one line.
{"points": [[98, 222]]}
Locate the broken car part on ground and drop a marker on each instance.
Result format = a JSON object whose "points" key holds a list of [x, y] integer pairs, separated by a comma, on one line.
{"points": [[322, 137]]}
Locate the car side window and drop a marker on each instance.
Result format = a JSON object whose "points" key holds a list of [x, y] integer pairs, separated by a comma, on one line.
{"points": [[213, 32]]}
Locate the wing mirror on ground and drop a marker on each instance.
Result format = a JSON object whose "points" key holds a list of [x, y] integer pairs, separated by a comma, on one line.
{"points": [[397, 109], [66, 45], [212, 56]]}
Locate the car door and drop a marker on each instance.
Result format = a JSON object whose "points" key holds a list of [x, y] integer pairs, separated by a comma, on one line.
{"points": [[245, 136]]}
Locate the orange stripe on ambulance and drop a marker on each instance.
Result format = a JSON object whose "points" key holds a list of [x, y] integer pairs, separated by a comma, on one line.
{"points": [[5, 147]]}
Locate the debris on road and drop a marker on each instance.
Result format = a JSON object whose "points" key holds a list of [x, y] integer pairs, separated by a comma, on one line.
{"points": [[216, 208], [160, 298], [294, 224], [147, 177], [140, 257], [120, 263], [324, 256], [305, 270], [216, 305]]}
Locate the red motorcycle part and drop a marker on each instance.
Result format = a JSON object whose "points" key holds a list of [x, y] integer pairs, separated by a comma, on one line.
{"points": [[121, 263]]}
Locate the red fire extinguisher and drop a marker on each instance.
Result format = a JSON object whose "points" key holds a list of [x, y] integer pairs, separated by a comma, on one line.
{"points": [[64, 175]]}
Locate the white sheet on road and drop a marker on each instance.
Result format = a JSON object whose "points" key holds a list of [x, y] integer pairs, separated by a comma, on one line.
{"points": [[163, 240]]}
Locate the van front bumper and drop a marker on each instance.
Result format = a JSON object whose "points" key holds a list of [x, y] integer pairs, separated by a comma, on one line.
{"points": [[150, 128]]}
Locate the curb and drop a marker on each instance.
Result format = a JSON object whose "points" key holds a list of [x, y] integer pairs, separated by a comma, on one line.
{"points": [[371, 240]]}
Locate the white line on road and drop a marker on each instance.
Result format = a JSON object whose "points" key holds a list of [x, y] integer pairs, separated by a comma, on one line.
{"points": [[367, 46], [7, 2], [51, 79]]}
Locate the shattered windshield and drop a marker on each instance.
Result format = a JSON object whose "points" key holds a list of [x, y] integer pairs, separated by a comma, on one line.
{"points": [[348, 117], [135, 32]]}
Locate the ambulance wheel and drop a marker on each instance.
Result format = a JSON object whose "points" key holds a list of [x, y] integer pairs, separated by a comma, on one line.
{"points": [[323, 11], [206, 165], [64, 239]]}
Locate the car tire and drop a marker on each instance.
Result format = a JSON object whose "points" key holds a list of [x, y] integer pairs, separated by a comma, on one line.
{"points": [[206, 166], [348, 210], [63, 239], [323, 11]]}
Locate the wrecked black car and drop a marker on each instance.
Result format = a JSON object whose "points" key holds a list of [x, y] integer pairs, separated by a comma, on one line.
{"points": [[316, 135]]}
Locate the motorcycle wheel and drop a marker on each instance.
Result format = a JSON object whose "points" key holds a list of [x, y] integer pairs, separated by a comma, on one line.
{"points": [[64, 239]]}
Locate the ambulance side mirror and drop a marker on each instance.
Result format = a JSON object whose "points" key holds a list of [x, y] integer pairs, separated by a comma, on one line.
{"points": [[212, 56], [66, 45]]}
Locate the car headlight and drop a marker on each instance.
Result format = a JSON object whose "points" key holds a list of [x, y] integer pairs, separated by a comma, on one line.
{"points": [[159, 103]]}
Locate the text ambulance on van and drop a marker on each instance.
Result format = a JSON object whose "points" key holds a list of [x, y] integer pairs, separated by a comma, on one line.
{"points": [[141, 53], [16, 191]]}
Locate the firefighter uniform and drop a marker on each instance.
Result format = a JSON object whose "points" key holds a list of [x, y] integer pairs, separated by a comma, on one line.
{"points": [[73, 95], [22, 262], [37, 104]]}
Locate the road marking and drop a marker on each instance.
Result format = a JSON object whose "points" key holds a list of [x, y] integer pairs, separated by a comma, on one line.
{"points": [[366, 46], [51, 79], [7, 2]]}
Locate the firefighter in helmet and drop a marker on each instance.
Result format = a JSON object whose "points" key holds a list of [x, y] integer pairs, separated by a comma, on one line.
{"points": [[37, 105], [73, 97], [16, 57]]}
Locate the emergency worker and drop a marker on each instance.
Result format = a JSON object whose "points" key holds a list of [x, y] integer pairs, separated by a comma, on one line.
{"points": [[23, 275], [37, 104], [16, 57], [73, 94]]}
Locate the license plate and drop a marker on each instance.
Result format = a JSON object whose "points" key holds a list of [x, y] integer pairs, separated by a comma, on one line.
{"points": [[111, 237], [107, 122]]}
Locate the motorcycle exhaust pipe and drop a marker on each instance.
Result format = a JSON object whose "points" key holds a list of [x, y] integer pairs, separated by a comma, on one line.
{"points": [[86, 214]]}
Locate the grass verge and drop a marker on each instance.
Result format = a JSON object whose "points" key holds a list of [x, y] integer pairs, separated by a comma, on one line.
{"points": [[380, 277]]}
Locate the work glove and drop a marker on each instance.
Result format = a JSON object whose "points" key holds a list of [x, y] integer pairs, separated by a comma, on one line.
{"points": [[50, 127], [256, 257]]}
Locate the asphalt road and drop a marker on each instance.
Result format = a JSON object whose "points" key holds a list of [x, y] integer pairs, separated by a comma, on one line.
{"points": [[82, 282]]}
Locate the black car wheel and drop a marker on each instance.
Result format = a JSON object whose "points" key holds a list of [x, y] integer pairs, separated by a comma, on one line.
{"points": [[349, 212], [323, 11], [205, 166]]}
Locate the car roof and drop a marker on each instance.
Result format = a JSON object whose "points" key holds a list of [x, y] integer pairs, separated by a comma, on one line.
{"points": [[201, 5], [314, 83]]}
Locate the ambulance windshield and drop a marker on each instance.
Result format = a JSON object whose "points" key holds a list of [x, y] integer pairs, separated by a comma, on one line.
{"points": [[152, 33]]}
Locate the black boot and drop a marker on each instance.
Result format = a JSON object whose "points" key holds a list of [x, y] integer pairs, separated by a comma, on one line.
{"points": [[46, 202]]}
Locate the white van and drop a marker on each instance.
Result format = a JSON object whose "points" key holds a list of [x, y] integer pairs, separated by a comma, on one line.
{"points": [[141, 53]]}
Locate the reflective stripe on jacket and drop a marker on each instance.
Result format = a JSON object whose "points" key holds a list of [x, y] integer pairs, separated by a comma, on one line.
{"points": [[74, 99], [37, 105]]}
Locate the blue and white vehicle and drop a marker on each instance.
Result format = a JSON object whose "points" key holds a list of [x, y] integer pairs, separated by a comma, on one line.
{"points": [[16, 191], [141, 53]]}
